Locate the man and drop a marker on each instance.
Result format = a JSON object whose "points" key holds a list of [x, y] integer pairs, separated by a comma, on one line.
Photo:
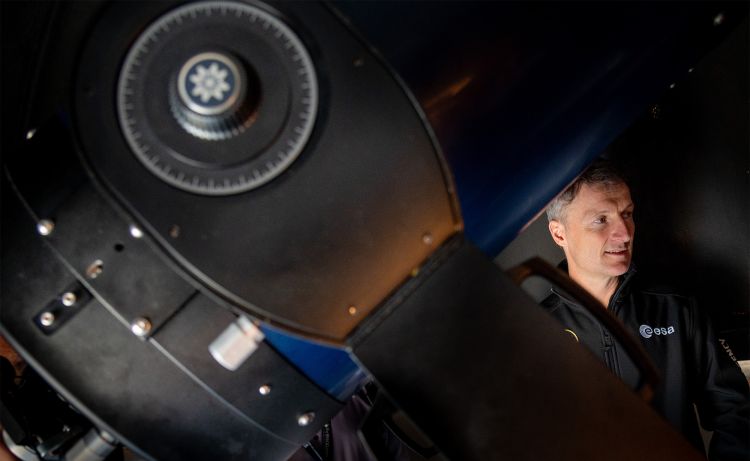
{"points": [[592, 221]]}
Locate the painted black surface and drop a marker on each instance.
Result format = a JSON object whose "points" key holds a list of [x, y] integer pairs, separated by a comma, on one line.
{"points": [[186, 339], [341, 227], [689, 164], [117, 380], [486, 374]]}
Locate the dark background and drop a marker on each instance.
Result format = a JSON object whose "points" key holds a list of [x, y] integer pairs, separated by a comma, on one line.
{"points": [[688, 163]]}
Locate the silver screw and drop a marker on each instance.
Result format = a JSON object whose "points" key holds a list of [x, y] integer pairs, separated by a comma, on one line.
{"points": [[30, 134], [427, 238], [95, 269], [306, 419], [69, 298], [264, 389], [140, 327], [45, 227], [135, 231], [47, 319], [719, 19]]}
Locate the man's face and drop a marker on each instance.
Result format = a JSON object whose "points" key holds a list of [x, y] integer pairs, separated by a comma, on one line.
{"points": [[596, 231]]}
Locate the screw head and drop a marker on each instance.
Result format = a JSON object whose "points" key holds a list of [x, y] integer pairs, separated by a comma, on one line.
{"points": [[135, 231], [45, 227], [30, 134], [68, 299], [264, 389], [352, 310], [47, 319], [140, 326], [427, 238], [719, 19], [95, 269], [306, 419]]}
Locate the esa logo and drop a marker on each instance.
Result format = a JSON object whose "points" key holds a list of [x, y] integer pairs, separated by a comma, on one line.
{"points": [[647, 332]]}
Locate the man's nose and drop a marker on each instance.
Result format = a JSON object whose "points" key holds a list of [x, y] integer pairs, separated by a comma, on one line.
{"points": [[622, 231]]}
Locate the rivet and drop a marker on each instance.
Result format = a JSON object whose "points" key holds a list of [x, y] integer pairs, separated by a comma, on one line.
{"points": [[30, 134], [264, 389], [69, 298], [135, 231], [306, 419], [352, 310], [427, 238], [719, 19], [47, 319], [141, 326], [45, 227], [95, 269]]}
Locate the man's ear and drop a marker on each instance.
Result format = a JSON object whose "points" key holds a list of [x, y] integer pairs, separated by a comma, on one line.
{"points": [[557, 231]]}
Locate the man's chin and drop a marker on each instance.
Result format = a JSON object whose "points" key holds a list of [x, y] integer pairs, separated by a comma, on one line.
{"points": [[616, 270]]}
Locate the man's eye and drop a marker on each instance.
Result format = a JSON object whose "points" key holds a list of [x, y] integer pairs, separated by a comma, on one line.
{"points": [[600, 220], [627, 215]]}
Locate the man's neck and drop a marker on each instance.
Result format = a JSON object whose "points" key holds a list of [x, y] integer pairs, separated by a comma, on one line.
{"points": [[600, 288]]}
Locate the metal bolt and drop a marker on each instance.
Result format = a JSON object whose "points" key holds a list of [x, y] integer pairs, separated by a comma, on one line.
{"points": [[427, 238], [719, 19], [141, 326], [45, 227], [95, 269], [30, 134], [306, 419], [69, 298], [264, 389], [352, 310], [135, 231], [47, 319], [107, 437]]}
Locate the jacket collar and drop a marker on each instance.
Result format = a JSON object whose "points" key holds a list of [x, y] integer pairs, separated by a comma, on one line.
{"points": [[623, 286]]}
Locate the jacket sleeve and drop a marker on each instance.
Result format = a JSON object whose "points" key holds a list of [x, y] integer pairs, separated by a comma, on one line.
{"points": [[722, 395]]}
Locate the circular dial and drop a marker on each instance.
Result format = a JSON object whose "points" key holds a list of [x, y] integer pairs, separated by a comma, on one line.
{"points": [[217, 98]]}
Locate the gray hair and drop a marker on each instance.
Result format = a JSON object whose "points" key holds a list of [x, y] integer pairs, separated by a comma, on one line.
{"points": [[601, 172]]}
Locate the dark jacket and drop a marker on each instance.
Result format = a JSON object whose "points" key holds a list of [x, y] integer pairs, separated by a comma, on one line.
{"points": [[694, 365]]}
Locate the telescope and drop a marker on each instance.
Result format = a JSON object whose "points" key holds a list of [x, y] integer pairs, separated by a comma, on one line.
{"points": [[221, 220]]}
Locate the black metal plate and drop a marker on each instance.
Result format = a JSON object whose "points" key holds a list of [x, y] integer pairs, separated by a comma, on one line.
{"points": [[186, 339], [342, 226], [124, 385], [488, 375]]}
